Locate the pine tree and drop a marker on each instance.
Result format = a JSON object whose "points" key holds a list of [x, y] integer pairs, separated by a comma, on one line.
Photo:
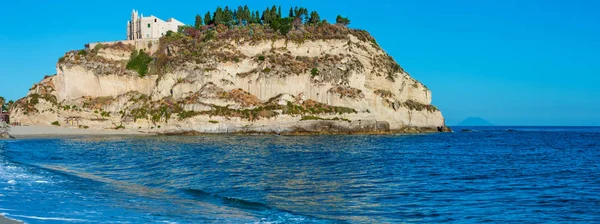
{"points": [[291, 12], [274, 13], [314, 18], [239, 14], [342, 20], [218, 17], [246, 14], [198, 23], [296, 12], [207, 19], [266, 17], [227, 16], [304, 14]]}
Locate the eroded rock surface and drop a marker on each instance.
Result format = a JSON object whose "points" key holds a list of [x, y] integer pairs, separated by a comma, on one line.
{"points": [[341, 84]]}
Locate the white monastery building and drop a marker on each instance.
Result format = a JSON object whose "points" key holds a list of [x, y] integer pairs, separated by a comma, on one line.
{"points": [[140, 27]]}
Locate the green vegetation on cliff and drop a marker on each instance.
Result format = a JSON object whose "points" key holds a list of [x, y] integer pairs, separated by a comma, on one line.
{"points": [[139, 62]]}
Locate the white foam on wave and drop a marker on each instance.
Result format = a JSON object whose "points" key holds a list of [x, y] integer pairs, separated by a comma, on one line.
{"points": [[50, 218], [12, 175]]}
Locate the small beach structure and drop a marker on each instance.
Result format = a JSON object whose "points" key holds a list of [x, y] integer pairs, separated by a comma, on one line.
{"points": [[72, 121]]}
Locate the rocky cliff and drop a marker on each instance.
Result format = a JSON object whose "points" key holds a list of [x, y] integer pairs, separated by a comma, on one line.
{"points": [[321, 79]]}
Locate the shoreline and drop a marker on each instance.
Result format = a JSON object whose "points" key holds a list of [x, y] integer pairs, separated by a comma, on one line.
{"points": [[40, 131], [4, 220]]}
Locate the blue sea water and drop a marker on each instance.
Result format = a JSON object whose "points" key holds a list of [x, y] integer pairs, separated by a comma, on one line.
{"points": [[493, 174]]}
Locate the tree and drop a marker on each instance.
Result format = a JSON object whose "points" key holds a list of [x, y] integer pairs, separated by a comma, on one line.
{"points": [[2, 102], [266, 17], [247, 14], [291, 15], [314, 18], [207, 19], [257, 17], [279, 12], [285, 25], [227, 16], [7, 106], [218, 17], [301, 13], [274, 12], [304, 14], [341, 20], [239, 14], [198, 22]]}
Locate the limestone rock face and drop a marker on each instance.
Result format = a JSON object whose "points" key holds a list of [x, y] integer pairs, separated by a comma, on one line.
{"points": [[340, 85], [78, 81]]}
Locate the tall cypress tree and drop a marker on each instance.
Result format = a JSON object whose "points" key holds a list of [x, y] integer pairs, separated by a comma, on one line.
{"points": [[279, 12], [291, 15]]}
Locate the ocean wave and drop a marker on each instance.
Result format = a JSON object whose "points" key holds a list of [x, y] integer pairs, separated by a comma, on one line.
{"points": [[228, 201], [12, 174], [272, 215], [50, 218]]}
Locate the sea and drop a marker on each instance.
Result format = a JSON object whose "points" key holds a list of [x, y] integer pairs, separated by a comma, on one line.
{"points": [[474, 175]]}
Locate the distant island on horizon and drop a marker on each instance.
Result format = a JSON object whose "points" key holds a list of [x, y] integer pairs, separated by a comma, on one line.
{"points": [[475, 121]]}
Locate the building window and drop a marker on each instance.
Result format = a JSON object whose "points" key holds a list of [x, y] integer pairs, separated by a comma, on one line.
{"points": [[148, 25], [148, 35], [154, 20]]}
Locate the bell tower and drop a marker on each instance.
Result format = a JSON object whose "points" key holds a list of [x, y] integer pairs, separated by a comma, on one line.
{"points": [[133, 26]]}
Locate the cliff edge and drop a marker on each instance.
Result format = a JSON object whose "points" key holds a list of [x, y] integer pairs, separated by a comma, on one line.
{"points": [[244, 79]]}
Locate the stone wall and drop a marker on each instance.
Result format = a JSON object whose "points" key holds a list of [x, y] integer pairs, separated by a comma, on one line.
{"points": [[148, 45]]}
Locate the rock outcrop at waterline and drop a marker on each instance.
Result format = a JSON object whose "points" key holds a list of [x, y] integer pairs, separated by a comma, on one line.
{"points": [[325, 79], [4, 130]]}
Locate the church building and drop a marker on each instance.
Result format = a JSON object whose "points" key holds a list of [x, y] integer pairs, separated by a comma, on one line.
{"points": [[140, 27]]}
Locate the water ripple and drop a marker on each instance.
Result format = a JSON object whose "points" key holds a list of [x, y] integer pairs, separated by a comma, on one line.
{"points": [[524, 175]]}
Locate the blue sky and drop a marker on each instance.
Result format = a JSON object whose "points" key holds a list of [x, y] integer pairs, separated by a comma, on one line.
{"points": [[512, 62]]}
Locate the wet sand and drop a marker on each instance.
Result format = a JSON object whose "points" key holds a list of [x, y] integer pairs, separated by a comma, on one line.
{"points": [[4, 220]]}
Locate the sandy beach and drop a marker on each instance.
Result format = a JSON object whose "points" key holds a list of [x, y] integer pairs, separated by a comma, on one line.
{"points": [[53, 131], [4, 220]]}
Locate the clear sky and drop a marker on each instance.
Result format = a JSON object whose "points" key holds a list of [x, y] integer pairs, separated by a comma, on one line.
{"points": [[512, 62]]}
